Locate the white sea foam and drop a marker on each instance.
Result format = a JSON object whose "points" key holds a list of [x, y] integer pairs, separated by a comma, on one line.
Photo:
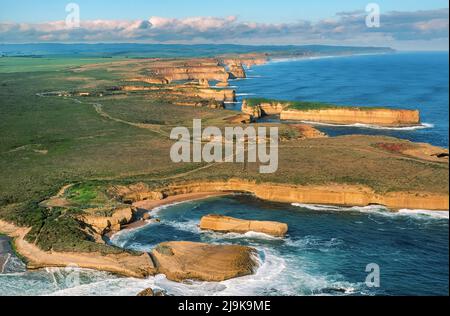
{"points": [[275, 275], [378, 209], [244, 94], [377, 127], [190, 226], [248, 235], [424, 213]]}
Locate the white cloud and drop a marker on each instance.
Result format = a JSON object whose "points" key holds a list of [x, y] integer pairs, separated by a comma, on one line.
{"points": [[344, 28]]}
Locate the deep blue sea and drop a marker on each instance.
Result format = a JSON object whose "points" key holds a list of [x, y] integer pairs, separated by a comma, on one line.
{"points": [[400, 80], [328, 248]]}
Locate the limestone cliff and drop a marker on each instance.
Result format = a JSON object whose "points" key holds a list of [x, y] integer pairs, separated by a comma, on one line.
{"points": [[113, 223], [227, 224], [237, 72], [264, 108], [196, 72], [333, 194], [383, 117]]}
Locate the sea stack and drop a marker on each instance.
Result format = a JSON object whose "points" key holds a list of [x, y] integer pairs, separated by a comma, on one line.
{"points": [[227, 224]]}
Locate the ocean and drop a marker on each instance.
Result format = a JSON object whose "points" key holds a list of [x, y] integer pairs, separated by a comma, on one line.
{"points": [[328, 248], [326, 252], [399, 80]]}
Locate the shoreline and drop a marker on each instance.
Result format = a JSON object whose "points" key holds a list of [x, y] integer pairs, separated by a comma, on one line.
{"points": [[149, 206], [141, 266], [193, 192]]}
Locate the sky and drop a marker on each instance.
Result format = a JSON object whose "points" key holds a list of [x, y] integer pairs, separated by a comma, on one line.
{"points": [[404, 24]]}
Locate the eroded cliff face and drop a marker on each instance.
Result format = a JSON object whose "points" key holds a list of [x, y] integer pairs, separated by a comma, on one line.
{"points": [[190, 91], [237, 72], [333, 194], [264, 108], [384, 117], [105, 224], [191, 70], [225, 224]]}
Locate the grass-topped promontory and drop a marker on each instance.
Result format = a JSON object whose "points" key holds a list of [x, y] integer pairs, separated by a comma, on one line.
{"points": [[306, 105]]}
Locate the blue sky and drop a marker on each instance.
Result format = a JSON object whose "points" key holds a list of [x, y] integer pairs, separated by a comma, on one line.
{"points": [[253, 10], [405, 24]]}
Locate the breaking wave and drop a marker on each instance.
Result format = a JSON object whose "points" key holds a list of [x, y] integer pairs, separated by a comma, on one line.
{"points": [[377, 209], [377, 127]]}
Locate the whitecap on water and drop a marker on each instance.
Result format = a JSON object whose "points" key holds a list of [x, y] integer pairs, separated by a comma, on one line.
{"points": [[378, 127], [379, 210], [249, 235]]}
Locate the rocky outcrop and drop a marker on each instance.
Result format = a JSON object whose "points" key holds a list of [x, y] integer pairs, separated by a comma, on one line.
{"points": [[254, 111], [264, 108], [204, 83], [192, 72], [383, 117], [181, 261], [150, 292], [225, 224], [113, 223], [237, 72], [147, 292], [134, 192], [221, 95]]}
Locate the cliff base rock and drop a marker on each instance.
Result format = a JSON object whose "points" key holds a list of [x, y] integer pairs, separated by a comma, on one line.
{"points": [[182, 260]]}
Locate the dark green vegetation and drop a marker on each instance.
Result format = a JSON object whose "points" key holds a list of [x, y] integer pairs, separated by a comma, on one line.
{"points": [[49, 142], [305, 105]]}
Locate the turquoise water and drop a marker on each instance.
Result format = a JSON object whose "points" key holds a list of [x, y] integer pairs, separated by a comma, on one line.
{"points": [[401, 80]]}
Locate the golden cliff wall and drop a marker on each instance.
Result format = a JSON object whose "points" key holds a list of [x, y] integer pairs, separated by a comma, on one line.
{"points": [[384, 117], [217, 73], [262, 109], [345, 195]]}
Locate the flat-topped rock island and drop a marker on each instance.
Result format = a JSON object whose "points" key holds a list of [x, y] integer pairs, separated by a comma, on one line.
{"points": [[333, 114]]}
